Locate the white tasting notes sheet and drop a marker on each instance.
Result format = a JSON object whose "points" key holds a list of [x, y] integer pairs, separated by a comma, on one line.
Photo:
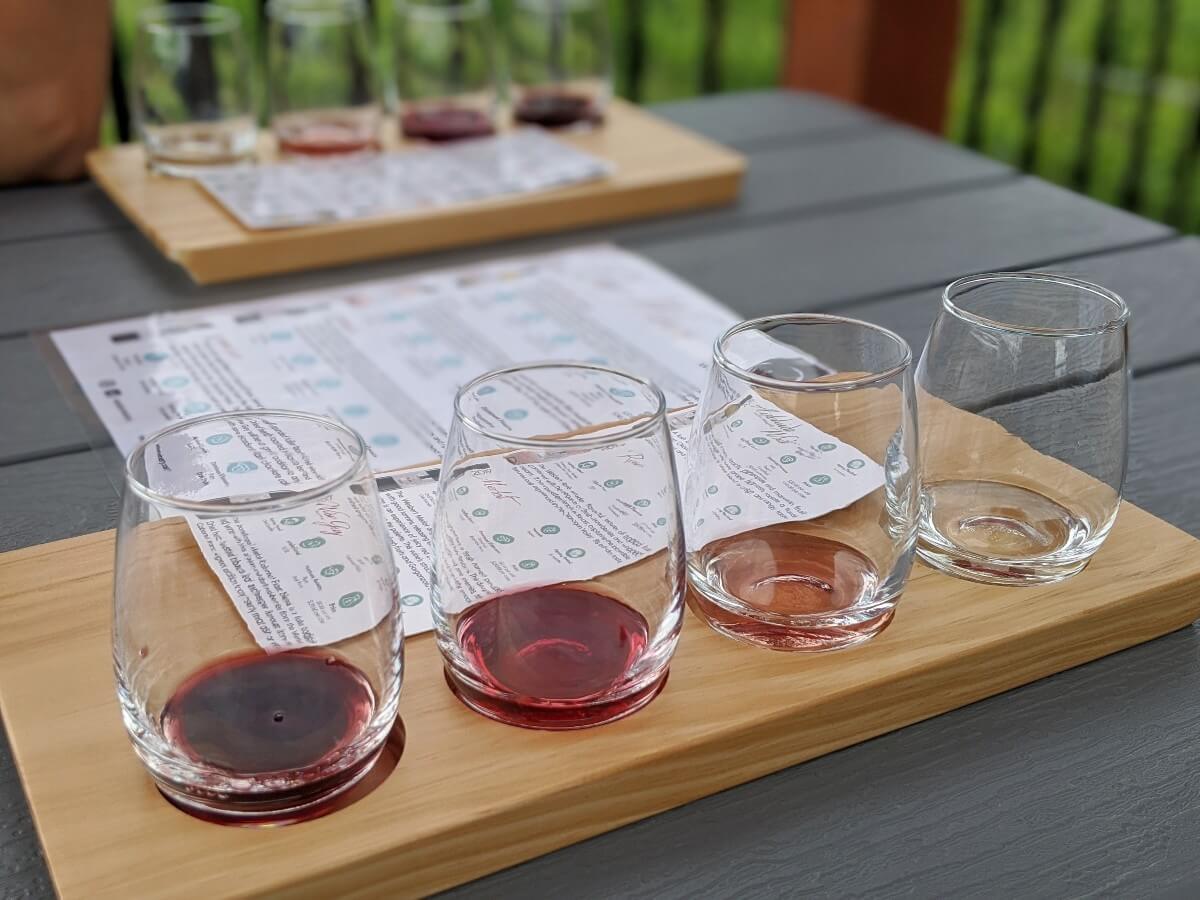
{"points": [[304, 192]]}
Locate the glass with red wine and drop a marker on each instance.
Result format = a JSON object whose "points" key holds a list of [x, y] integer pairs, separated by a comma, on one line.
{"points": [[322, 83], [257, 638], [446, 69], [560, 57], [802, 496], [558, 572]]}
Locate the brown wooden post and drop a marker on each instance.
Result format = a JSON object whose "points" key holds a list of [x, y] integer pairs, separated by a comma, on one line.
{"points": [[892, 56]]}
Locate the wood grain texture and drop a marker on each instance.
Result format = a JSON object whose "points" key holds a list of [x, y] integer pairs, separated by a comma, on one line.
{"points": [[39, 211], [1158, 283], [907, 243], [471, 796], [660, 168]]}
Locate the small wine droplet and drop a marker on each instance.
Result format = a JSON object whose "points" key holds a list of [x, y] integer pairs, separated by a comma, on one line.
{"points": [[278, 717]]}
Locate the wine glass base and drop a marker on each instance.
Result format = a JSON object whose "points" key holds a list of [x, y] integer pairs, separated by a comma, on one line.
{"points": [[778, 636], [329, 796], [993, 571], [553, 715]]}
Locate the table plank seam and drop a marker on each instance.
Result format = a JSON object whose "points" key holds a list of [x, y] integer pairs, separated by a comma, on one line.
{"points": [[74, 232], [808, 138]]}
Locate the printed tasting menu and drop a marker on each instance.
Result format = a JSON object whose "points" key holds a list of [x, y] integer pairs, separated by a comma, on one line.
{"points": [[387, 357]]}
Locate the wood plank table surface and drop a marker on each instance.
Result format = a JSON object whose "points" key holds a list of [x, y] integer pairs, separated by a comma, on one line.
{"points": [[1078, 784]]}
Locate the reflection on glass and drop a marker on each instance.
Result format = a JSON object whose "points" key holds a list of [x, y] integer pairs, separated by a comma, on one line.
{"points": [[1023, 390]]}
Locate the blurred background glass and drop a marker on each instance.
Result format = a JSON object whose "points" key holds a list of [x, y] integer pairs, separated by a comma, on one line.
{"points": [[191, 93]]}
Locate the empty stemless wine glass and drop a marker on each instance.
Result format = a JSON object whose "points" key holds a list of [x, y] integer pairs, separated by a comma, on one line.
{"points": [[558, 573], [257, 640], [1023, 391], [191, 93], [561, 62], [445, 62], [801, 499], [323, 83]]}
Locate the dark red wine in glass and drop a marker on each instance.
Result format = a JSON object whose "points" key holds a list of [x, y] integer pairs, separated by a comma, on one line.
{"points": [[556, 108], [553, 657], [282, 719], [445, 122]]}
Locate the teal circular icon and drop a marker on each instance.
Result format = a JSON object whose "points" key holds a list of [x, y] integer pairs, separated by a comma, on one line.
{"points": [[485, 390], [502, 538], [820, 479], [396, 316], [154, 356], [216, 440], [280, 336], [328, 384], [176, 381], [597, 360], [335, 569], [354, 410], [622, 392], [613, 482], [761, 441], [736, 423], [292, 520], [660, 521], [855, 464], [787, 459], [462, 490], [385, 440], [587, 464], [733, 510], [240, 468], [450, 361], [412, 599], [479, 512], [195, 407], [528, 564], [826, 447], [515, 415], [563, 338], [643, 503], [351, 600], [312, 543], [420, 338], [576, 552], [303, 359], [711, 489], [549, 529]]}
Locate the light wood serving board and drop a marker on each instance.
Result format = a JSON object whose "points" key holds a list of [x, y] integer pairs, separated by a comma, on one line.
{"points": [[660, 168], [471, 796]]}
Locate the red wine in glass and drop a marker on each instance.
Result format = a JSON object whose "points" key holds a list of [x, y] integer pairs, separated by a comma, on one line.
{"points": [[556, 108], [565, 652], [281, 719], [445, 123]]}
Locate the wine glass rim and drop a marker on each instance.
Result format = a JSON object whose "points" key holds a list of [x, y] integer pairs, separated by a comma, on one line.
{"points": [[640, 426], [317, 12], [167, 19], [445, 12], [298, 498], [783, 384], [1113, 323]]}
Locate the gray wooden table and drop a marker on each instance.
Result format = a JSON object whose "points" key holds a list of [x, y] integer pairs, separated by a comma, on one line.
{"points": [[1078, 784]]}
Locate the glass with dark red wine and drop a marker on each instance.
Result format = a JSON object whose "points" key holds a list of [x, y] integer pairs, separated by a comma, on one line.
{"points": [[257, 638], [446, 70], [558, 574], [560, 58], [802, 491], [323, 85]]}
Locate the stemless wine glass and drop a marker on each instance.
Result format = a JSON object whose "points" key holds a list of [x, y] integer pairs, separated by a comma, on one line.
{"points": [[561, 62], [445, 63], [1023, 391], [257, 640], [323, 85], [558, 573], [191, 92], [801, 500]]}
